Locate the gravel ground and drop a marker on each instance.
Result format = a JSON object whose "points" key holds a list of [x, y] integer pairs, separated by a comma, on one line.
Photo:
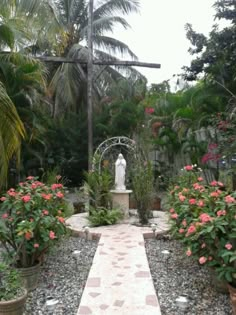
{"points": [[181, 276], [62, 279]]}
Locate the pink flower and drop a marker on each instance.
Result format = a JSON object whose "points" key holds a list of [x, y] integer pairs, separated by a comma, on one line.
{"points": [[46, 196], [220, 184], [55, 186], [204, 218], [30, 177], [189, 252], [229, 199], [210, 258], [192, 201], [36, 245], [188, 168], [5, 215], [28, 236], [45, 212], [181, 231], [59, 194], [201, 203], [3, 198], [174, 216], [184, 223], [58, 177], [185, 190], [11, 192], [202, 260], [200, 179], [214, 183], [228, 246], [26, 198], [214, 194], [61, 219], [203, 245], [181, 197], [191, 229], [149, 110], [52, 235], [220, 213], [172, 210]]}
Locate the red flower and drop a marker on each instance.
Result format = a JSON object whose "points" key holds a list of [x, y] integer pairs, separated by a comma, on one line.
{"points": [[191, 229], [189, 252], [229, 199], [220, 213], [202, 260], [228, 246], [192, 201], [45, 212], [61, 219], [201, 203], [26, 198], [59, 194], [204, 218], [46, 196], [55, 186], [188, 168], [52, 235], [28, 236], [149, 110]]}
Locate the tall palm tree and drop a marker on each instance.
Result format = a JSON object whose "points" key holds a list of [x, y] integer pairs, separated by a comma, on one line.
{"points": [[68, 85], [20, 76]]}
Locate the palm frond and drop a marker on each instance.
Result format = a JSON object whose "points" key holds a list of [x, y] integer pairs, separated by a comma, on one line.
{"points": [[11, 133], [115, 6], [113, 45]]}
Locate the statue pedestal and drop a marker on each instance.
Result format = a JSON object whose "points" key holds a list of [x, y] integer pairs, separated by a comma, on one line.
{"points": [[120, 199]]}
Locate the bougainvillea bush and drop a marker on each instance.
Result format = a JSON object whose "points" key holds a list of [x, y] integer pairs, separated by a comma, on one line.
{"points": [[203, 217], [32, 220]]}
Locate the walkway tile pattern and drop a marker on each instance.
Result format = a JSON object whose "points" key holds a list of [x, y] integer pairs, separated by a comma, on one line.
{"points": [[119, 281]]}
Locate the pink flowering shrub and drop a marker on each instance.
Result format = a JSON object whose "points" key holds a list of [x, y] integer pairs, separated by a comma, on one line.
{"points": [[203, 217], [32, 219]]}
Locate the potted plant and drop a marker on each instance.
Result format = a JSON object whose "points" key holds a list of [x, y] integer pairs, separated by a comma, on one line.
{"points": [[32, 220], [12, 294]]}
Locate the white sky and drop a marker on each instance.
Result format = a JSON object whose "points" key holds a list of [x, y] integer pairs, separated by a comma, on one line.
{"points": [[158, 33]]}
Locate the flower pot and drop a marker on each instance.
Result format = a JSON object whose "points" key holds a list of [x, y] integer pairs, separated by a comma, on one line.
{"points": [[232, 292], [220, 285], [30, 276], [14, 307]]}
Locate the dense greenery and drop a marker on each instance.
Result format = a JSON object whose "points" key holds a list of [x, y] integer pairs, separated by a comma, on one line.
{"points": [[43, 108]]}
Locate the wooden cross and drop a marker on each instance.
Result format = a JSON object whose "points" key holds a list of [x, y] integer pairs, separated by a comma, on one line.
{"points": [[90, 62]]}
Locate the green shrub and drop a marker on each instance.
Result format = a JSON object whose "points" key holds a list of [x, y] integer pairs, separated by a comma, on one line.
{"points": [[10, 283], [103, 216]]}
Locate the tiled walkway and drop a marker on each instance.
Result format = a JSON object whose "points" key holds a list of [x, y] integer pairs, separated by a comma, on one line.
{"points": [[119, 281]]}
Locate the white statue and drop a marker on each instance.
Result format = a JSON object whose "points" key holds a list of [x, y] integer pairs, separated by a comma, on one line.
{"points": [[120, 173]]}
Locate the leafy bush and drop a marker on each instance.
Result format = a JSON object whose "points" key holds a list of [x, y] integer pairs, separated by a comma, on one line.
{"points": [[98, 184], [32, 219], [203, 218], [10, 283], [103, 216]]}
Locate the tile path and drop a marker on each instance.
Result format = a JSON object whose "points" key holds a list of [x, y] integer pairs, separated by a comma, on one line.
{"points": [[119, 280]]}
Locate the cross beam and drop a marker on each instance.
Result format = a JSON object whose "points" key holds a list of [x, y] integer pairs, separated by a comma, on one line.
{"points": [[101, 62]]}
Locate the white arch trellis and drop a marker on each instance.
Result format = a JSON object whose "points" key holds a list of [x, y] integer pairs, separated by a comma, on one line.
{"points": [[107, 145]]}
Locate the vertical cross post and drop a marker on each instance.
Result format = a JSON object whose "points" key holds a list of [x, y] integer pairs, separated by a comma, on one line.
{"points": [[90, 84]]}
